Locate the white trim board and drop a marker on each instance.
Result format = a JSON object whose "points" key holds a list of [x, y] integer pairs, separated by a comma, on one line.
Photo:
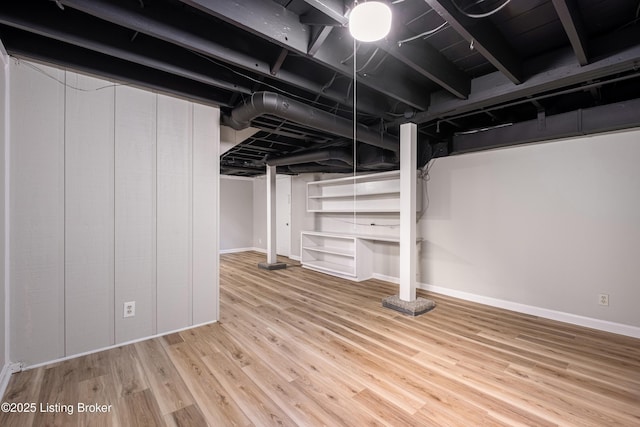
{"points": [[236, 250], [574, 319]]}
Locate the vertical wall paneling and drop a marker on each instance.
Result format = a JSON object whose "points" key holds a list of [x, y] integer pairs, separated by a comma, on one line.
{"points": [[135, 212], [37, 213], [89, 233], [174, 213], [206, 140], [113, 198]]}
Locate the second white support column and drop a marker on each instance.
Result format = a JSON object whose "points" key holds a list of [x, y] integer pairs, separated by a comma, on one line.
{"points": [[408, 175]]}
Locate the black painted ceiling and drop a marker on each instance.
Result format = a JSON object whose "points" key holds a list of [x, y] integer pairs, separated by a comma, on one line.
{"points": [[451, 66]]}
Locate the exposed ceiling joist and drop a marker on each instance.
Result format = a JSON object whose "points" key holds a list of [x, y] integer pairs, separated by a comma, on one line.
{"points": [[552, 72], [332, 8], [572, 22], [278, 25], [424, 59], [486, 39], [603, 118], [50, 51], [143, 21], [432, 64], [74, 32]]}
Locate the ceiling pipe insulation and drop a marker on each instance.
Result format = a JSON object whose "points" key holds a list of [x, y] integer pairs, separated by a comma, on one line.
{"points": [[275, 104]]}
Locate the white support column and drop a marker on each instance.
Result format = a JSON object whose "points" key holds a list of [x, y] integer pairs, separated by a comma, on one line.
{"points": [[408, 175], [272, 257]]}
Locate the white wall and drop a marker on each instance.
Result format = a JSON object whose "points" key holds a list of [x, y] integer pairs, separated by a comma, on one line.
{"points": [[113, 199], [37, 214], [236, 213], [549, 226]]}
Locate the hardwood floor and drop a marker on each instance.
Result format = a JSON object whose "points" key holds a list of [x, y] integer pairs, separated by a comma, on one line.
{"points": [[295, 347]]}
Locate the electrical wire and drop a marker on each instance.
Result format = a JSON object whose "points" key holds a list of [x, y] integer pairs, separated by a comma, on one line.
{"points": [[368, 61], [480, 15], [65, 84], [425, 34]]}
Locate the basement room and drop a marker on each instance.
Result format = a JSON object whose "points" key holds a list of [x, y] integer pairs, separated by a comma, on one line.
{"points": [[320, 213]]}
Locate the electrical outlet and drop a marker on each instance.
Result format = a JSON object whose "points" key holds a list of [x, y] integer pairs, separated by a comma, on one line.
{"points": [[129, 309], [603, 299]]}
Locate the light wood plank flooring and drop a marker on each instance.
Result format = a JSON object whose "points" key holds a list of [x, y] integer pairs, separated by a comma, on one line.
{"points": [[295, 347]]}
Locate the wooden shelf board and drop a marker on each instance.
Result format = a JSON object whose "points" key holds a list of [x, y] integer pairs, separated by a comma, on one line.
{"points": [[330, 250], [329, 267]]}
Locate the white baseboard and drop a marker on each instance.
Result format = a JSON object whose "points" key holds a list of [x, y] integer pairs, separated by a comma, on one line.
{"points": [[574, 319], [236, 250], [86, 353], [5, 376], [254, 249]]}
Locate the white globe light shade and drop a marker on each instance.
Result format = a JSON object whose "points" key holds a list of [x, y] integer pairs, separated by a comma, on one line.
{"points": [[370, 21]]}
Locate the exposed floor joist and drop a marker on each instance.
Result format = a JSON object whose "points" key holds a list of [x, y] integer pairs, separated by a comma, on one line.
{"points": [[486, 39], [275, 23]]}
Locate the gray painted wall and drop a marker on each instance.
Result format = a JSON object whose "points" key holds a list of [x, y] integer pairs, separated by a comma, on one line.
{"points": [[236, 213], [549, 225]]}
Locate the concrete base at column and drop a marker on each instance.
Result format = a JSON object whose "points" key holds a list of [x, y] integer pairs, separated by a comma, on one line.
{"points": [[273, 266], [412, 308]]}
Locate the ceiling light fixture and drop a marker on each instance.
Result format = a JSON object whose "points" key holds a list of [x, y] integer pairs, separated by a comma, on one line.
{"points": [[370, 21]]}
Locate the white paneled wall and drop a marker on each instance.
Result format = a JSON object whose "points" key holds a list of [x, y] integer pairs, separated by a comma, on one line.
{"points": [[88, 214], [174, 213], [37, 214], [114, 198], [135, 211], [206, 189]]}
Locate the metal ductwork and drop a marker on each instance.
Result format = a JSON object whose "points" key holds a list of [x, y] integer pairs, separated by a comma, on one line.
{"points": [[314, 167], [286, 108], [321, 156]]}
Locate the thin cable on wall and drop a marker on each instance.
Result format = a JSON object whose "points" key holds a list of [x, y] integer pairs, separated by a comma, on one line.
{"points": [[65, 84]]}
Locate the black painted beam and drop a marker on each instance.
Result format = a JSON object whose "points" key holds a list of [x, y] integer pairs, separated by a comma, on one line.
{"points": [[550, 72], [332, 8], [97, 36], [315, 17], [277, 24], [152, 23], [569, 15], [430, 63], [34, 47], [422, 58], [486, 39], [604, 118]]}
